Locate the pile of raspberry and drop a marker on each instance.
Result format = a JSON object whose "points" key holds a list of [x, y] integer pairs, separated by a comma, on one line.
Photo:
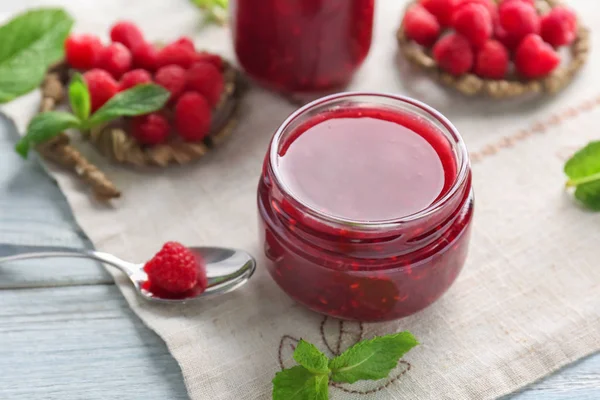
{"points": [[483, 36], [194, 78]]}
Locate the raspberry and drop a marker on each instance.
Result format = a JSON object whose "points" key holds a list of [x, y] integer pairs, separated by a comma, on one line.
{"points": [[421, 26], [490, 5], [175, 269], [82, 51], [535, 58], [101, 85], [172, 78], [150, 129], [519, 19], [530, 2], [134, 78], [192, 117], [509, 41], [474, 22], [187, 42], [559, 27], [128, 34], [145, 56], [453, 53], [207, 80], [492, 60], [175, 54], [115, 59], [441, 9], [213, 59]]}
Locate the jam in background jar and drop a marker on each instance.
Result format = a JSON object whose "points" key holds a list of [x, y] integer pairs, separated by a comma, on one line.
{"points": [[365, 204], [302, 45]]}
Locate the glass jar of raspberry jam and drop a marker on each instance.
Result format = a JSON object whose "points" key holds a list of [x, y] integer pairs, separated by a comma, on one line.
{"points": [[365, 205], [302, 45]]}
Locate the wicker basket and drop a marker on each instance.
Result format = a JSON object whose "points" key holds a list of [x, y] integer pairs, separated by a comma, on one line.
{"points": [[513, 86]]}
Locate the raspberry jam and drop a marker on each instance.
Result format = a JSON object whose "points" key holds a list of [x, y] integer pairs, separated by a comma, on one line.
{"points": [[366, 204], [302, 45]]}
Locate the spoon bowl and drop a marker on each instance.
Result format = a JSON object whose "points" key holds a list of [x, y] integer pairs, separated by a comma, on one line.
{"points": [[226, 269]]}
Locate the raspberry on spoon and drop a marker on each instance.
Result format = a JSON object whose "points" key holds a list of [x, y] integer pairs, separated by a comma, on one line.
{"points": [[176, 270]]}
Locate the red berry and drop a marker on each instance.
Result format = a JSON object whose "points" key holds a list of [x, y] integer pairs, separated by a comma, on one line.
{"points": [[134, 78], [535, 58], [441, 9], [115, 59], [213, 59], [421, 26], [187, 42], [128, 34], [172, 78], [510, 42], [559, 27], [492, 60], [192, 117], [530, 2], [490, 5], [150, 129], [453, 53], [83, 51], [101, 85], [176, 54], [474, 22], [207, 80], [519, 19], [175, 269], [145, 56]]}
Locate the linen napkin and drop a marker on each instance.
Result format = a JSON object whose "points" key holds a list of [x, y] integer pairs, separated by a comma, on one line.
{"points": [[526, 304]]}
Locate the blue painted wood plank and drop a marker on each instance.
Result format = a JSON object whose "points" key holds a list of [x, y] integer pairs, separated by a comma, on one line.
{"points": [[33, 212], [80, 343]]}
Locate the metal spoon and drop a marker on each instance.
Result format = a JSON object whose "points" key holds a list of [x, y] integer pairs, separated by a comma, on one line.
{"points": [[226, 269]]}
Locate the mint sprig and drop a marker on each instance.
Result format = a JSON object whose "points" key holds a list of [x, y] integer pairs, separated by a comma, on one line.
{"points": [[583, 170], [31, 42], [215, 10], [371, 359], [139, 100]]}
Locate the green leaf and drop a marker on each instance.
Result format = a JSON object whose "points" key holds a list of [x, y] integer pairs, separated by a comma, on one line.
{"points": [[79, 96], [45, 126], [30, 43], [139, 100], [583, 170], [371, 359], [298, 383], [216, 10], [307, 355]]}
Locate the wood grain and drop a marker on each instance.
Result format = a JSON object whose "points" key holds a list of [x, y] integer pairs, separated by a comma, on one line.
{"points": [[33, 212], [80, 343]]}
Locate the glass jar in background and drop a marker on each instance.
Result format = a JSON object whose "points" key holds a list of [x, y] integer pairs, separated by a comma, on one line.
{"points": [[302, 46], [382, 230]]}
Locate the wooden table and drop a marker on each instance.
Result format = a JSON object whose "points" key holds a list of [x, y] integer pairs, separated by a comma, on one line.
{"points": [[66, 332]]}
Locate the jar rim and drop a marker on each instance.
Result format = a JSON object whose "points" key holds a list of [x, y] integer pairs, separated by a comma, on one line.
{"points": [[461, 150]]}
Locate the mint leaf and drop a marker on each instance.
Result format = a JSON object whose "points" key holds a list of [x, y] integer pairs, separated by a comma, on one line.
{"points": [[307, 355], [371, 359], [298, 383], [216, 10], [45, 126], [583, 170], [79, 97], [30, 43], [139, 100]]}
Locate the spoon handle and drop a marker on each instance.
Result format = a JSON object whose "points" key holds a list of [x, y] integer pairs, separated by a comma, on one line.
{"points": [[106, 258]]}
